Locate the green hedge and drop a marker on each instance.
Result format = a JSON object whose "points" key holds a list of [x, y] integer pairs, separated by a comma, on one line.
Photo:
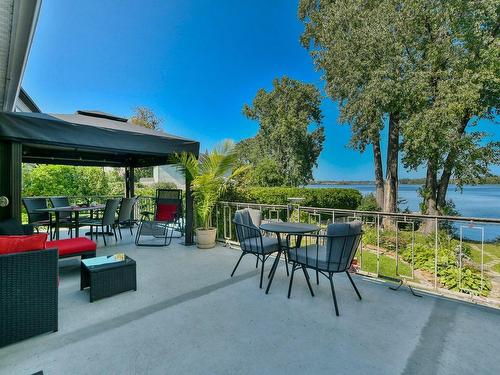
{"points": [[313, 197]]}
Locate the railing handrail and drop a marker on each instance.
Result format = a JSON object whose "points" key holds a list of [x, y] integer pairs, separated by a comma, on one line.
{"points": [[284, 206], [373, 213]]}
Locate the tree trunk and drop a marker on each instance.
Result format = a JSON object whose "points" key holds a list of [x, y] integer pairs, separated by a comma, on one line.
{"points": [[431, 188], [449, 163], [391, 177], [379, 172], [430, 198]]}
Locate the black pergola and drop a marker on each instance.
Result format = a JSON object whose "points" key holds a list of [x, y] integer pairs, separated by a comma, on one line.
{"points": [[87, 138]]}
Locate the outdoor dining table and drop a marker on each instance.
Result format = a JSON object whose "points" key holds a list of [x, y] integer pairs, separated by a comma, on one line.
{"points": [[279, 228], [74, 210]]}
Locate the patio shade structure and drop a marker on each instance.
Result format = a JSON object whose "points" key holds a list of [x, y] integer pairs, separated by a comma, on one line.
{"points": [[86, 138]]}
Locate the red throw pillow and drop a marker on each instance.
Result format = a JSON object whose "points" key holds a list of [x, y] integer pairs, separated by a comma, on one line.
{"points": [[166, 212], [18, 244]]}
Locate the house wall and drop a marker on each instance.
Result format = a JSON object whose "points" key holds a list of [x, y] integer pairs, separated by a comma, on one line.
{"points": [[6, 15], [169, 173]]}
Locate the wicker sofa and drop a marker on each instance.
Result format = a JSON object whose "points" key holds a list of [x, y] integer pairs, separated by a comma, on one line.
{"points": [[29, 284], [28, 294]]}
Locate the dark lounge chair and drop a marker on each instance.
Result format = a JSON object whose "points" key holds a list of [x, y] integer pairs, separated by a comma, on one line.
{"points": [[35, 217], [327, 254], [251, 239], [125, 214], [107, 220]]}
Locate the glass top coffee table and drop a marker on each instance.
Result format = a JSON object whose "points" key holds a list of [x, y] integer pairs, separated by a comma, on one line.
{"points": [[108, 275]]}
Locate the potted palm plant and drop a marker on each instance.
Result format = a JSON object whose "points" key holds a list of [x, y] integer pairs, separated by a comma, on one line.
{"points": [[210, 175]]}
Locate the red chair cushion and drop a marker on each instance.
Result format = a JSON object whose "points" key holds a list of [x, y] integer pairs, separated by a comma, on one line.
{"points": [[19, 244], [72, 245], [166, 211]]}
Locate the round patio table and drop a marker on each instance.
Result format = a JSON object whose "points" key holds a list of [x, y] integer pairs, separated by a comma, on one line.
{"points": [[279, 228]]}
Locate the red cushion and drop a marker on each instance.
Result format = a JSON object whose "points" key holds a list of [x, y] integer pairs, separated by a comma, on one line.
{"points": [[72, 245], [18, 244], [166, 212]]}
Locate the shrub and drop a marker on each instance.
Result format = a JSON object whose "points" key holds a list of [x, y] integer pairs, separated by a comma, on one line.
{"points": [[326, 198], [150, 191], [369, 203], [448, 270], [470, 280]]}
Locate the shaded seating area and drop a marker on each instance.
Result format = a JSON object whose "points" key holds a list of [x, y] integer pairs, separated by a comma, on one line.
{"points": [[86, 138]]}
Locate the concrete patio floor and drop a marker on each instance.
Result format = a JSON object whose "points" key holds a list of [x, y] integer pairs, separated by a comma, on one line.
{"points": [[189, 317]]}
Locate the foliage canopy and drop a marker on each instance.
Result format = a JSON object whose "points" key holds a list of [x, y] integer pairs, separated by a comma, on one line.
{"points": [[290, 137]]}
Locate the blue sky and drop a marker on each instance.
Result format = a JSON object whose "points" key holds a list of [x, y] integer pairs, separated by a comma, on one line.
{"points": [[194, 62]]}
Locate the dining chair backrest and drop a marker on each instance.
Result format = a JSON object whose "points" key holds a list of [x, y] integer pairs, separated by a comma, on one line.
{"points": [[243, 220], [342, 242], [32, 205], [255, 216], [108, 217], [61, 202], [126, 207]]}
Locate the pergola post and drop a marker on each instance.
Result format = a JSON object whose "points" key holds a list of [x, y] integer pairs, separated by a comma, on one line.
{"points": [[189, 228], [11, 179], [129, 182]]}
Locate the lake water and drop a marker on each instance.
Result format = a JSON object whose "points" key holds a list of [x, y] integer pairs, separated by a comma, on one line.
{"points": [[476, 201]]}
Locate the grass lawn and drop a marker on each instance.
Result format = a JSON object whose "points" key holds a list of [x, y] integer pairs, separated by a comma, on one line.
{"points": [[493, 249], [387, 265], [491, 252], [476, 255], [496, 268]]}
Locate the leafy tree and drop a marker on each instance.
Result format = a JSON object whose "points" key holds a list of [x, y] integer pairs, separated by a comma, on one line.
{"points": [[353, 43], [427, 69], [285, 140], [45, 180], [267, 172], [144, 116], [455, 72]]}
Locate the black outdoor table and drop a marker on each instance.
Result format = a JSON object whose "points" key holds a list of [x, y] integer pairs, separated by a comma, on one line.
{"points": [[107, 275], [73, 209], [289, 228]]}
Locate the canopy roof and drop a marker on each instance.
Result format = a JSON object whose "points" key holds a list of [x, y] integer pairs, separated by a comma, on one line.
{"points": [[90, 138]]}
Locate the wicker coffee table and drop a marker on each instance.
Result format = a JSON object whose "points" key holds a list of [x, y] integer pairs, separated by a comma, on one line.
{"points": [[108, 275]]}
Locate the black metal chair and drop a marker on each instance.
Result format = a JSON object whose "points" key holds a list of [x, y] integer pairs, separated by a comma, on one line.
{"points": [[36, 218], [251, 240], [108, 219], [65, 217], [327, 254], [125, 214]]}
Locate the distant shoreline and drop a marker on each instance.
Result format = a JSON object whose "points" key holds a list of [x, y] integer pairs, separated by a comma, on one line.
{"points": [[494, 180]]}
